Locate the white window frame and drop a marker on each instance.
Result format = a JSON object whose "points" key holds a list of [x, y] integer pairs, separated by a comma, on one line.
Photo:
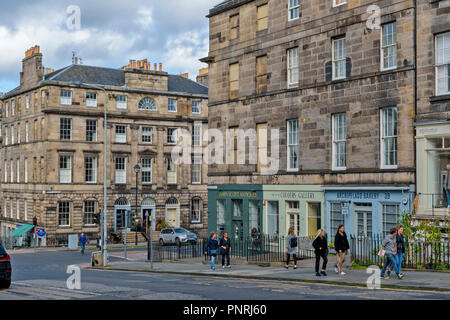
{"points": [[196, 169], [441, 63], [11, 164], [18, 133], [6, 171], [337, 140], [198, 213], [25, 209], [197, 134], [27, 102], [64, 98], [390, 45], [120, 137], [13, 108], [384, 137], [68, 214], [18, 171], [171, 174], [120, 175], [65, 174], [197, 103], [25, 168], [292, 143], [27, 132], [172, 103], [11, 209], [292, 6], [89, 222], [94, 169], [18, 209], [121, 101], [292, 67], [60, 123], [173, 136], [91, 99], [338, 60], [94, 139], [147, 133], [6, 135], [13, 133], [7, 110], [147, 166], [335, 4]]}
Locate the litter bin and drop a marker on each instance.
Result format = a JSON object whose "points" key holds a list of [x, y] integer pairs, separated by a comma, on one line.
{"points": [[97, 259]]}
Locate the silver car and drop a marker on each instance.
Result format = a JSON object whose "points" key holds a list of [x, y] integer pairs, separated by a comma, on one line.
{"points": [[177, 236]]}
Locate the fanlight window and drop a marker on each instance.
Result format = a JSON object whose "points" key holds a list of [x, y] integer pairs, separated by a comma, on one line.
{"points": [[148, 202], [122, 202], [172, 201], [147, 104]]}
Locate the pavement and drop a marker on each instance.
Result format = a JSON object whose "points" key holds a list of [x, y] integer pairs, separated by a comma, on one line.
{"points": [[416, 280]]}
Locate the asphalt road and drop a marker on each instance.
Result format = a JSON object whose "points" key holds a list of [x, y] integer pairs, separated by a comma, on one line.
{"points": [[43, 276]]}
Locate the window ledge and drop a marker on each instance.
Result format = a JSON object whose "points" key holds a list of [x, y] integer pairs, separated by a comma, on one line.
{"points": [[439, 98]]}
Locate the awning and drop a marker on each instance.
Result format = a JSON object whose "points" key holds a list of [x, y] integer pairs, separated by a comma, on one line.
{"points": [[21, 230]]}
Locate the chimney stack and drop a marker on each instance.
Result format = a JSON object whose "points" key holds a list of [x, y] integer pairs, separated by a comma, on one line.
{"points": [[160, 66], [185, 75]]}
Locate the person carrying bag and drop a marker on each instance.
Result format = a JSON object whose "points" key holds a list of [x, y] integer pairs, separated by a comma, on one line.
{"points": [[211, 249]]}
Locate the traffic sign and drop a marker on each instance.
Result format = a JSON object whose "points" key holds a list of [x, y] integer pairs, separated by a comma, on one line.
{"points": [[41, 232]]}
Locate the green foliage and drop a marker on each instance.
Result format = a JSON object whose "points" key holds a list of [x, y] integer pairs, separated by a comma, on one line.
{"points": [[331, 245]]}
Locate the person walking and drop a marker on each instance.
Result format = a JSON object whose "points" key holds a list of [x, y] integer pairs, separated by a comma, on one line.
{"points": [[83, 241], [225, 249], [320, 245], [400, 251], [291, 248], [389, 246], [211, 248], [342, 247]]}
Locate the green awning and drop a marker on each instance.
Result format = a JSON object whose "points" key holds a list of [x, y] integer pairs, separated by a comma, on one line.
{"points": [[20, 231]]}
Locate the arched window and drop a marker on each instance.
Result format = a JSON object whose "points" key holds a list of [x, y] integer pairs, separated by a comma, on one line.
{"points": [[172, 201], [148, 202], [196, 210], [147, 104], [122, 202]]}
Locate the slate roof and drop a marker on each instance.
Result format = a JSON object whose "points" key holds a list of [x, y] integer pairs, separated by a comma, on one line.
{"points": [[116, 77]]}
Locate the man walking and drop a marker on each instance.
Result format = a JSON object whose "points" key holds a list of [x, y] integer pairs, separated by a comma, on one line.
{"points": [[389, 245], [400, 250], [83, 241]]}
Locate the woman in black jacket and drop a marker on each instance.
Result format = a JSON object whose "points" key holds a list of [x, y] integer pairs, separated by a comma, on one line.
{"points": [[225, 249], [320, 245], [342, 247]]}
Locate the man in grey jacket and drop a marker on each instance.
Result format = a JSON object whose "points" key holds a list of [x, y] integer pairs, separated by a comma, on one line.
{"points": [[389, 245]]}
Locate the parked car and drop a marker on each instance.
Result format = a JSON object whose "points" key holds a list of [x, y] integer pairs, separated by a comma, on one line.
{"points": [[177, 236], [5, 269]]}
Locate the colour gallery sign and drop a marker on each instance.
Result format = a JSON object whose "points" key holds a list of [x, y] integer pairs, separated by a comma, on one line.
{"points": [[292, 195]]}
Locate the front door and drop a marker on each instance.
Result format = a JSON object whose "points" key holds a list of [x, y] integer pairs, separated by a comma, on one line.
{"points": [[363, 220], [120, 218], [146, 213], [172, 217]]}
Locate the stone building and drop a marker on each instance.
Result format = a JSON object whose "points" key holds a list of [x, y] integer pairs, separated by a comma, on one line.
{"points": [[339, 87], [433, 109], [52, 154]]}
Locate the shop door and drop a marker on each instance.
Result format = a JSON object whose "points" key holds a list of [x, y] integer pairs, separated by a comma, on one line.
{"points": [[363, 220], [238, 236]]}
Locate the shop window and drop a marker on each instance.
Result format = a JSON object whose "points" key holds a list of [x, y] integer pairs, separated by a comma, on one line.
{"points": [[273, 228], [253, 218], [438, 193], [221, 209], [390, 215], [337, 217], [314, 219], [237, 208], [293, 216]]}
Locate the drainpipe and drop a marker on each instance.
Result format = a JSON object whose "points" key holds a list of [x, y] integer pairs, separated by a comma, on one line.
{"points": [[415, 94]]}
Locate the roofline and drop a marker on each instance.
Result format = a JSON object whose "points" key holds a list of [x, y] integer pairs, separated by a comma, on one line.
{"points": [[225, 6], [44, 83]]}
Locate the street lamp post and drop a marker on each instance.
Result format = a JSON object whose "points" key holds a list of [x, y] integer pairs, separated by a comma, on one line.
{"points": [[137, 168], [104, 220]]}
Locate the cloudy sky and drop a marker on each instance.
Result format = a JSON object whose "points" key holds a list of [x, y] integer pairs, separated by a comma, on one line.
{"points": [[174, 32]]}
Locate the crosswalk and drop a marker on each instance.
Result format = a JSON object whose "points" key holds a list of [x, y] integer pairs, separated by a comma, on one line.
{"points": [[24, 291]]}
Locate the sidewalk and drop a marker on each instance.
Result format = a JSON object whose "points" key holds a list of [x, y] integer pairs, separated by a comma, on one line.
{"points": [[417, 280], [89, 248]]}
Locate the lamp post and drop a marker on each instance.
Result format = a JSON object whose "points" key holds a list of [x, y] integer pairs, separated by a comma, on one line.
{"points": [[137, 168], [104, 220]]}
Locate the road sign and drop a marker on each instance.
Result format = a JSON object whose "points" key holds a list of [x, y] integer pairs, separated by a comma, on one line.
{"points": [[41, 232]]}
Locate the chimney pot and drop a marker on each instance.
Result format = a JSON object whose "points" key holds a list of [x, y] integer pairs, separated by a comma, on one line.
{"points": [[160, 67], [155, 66]]}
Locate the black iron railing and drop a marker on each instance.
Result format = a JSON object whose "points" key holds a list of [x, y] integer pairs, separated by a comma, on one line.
{"points": [[418, 255]]}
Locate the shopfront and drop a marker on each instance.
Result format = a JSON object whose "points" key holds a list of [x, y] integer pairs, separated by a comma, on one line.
{"points": [[433, 167], [365, 210], [299, 207], [236, 209]]}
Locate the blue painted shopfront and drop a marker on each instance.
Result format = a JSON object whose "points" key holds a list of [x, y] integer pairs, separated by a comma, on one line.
{"points": [[366, 210]]}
